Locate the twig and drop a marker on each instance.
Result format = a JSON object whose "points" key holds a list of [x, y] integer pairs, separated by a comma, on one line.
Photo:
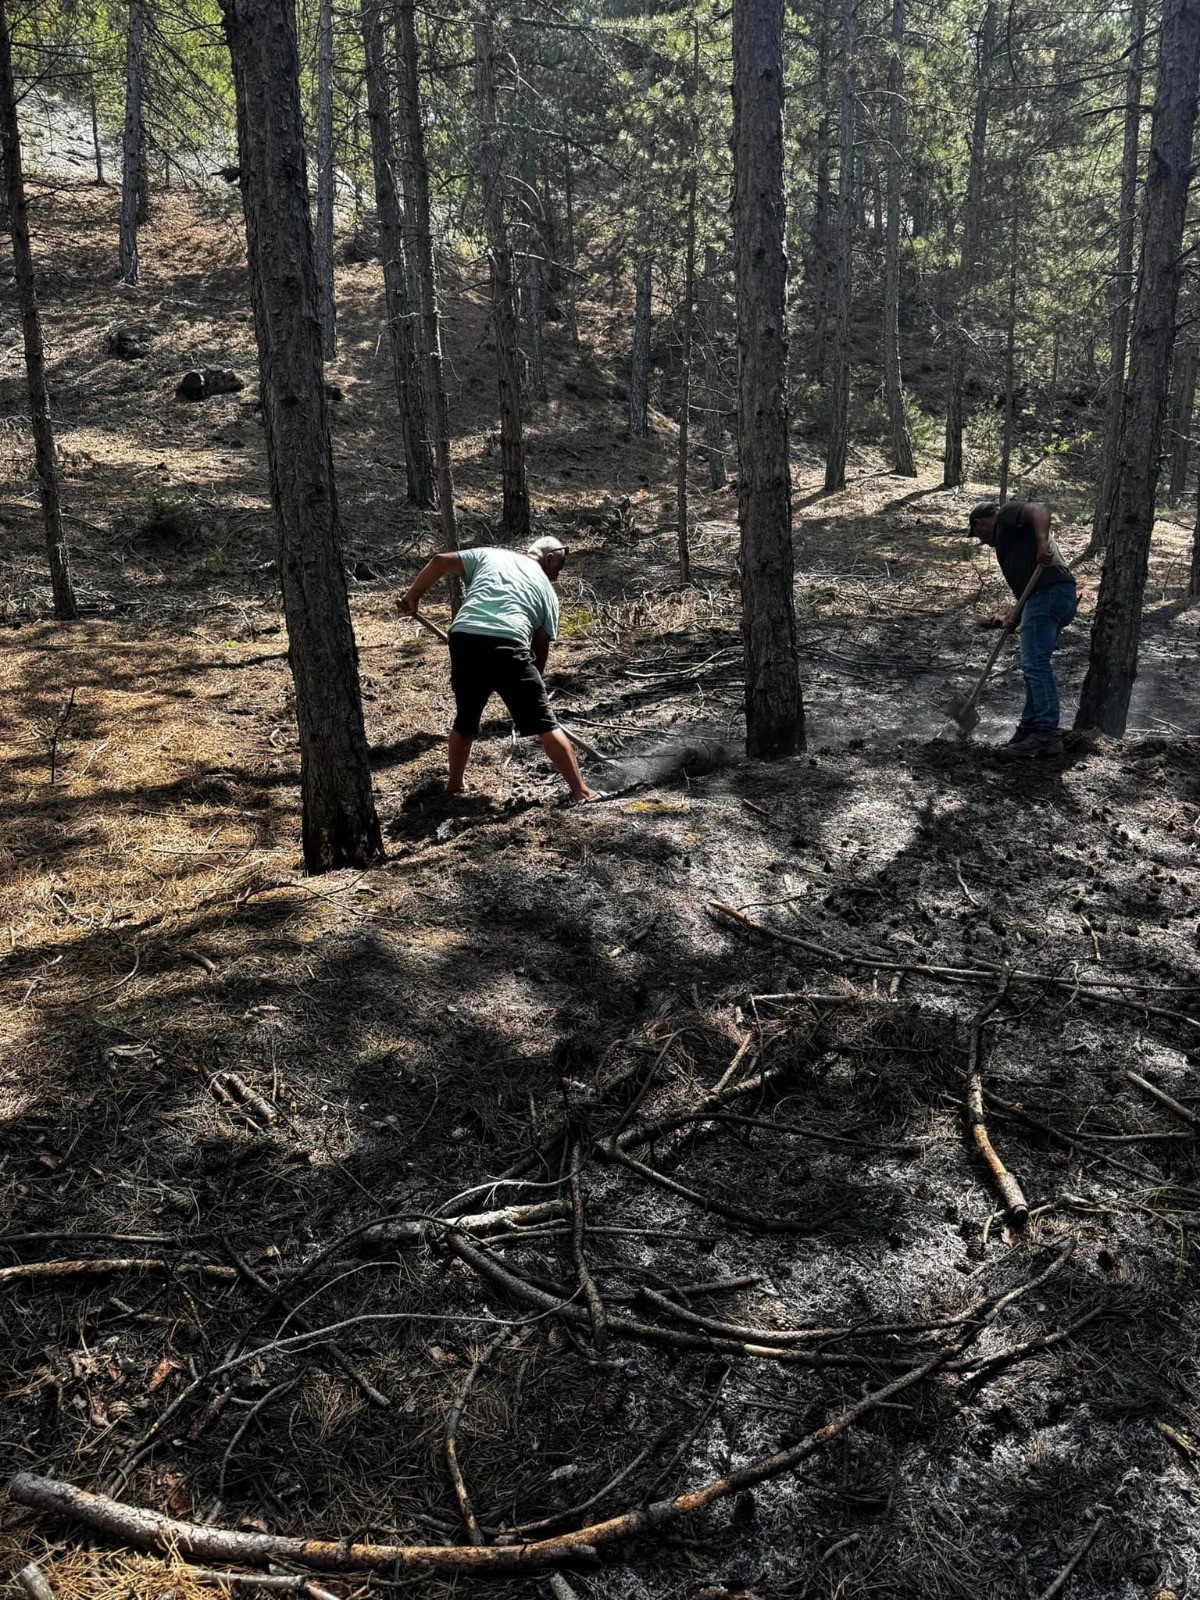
{"points": [[453, 1419], [582, 1271], [263, 1401], [1006, 1184], [722, 1208], [1060, 1583], [1163, 1098], [1046, 1341]]}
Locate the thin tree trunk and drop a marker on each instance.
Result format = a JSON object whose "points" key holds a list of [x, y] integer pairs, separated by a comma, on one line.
{"points": [[639, 360], [689, 306], [569, 204], [952, 461], [1112, 661], [143, 176], [131, 147], [46, 466], [504, 295], [714, 441], [325, 178], [1182, 404], [839, 398], [1121, 294], [1010, 355], [406, 359], [1194, 574], [421, 257], [821, 231], [774, 708], [893, 383], [533, 322], [340, 827], [97, 151]]}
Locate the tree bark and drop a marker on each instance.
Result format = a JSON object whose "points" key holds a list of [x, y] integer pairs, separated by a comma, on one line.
{"points": [[714, 439], [45, 464], [821, 231], [952, 461], [1112, 662], [1010, 354], [131, 146], [325, 178], [505, 322], [893, 383], [417, 213], [406, 358], [1182, 404], [1194, 574], [839, 398], [340, 827], [97, 151], [572, 311], [689, 307], [533, 320], [1121, 293], [639, 360], [774, 708]]}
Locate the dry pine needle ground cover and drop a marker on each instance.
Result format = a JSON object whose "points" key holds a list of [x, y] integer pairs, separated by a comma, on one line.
{"points": [[218, 1077]]}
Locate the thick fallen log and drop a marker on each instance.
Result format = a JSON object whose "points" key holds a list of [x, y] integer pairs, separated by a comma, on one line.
{"points": [[201, 1542]]}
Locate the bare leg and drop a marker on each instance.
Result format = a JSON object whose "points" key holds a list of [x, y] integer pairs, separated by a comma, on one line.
{"points": [[460, 754], [562, 758]]}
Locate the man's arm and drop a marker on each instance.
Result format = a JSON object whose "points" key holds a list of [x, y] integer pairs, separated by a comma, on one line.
{"points": [[448, 565], [1037, 516], [541, 648]]}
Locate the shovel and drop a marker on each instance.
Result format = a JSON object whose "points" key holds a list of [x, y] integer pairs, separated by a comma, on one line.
{"points": [[962, 711], [571, 734]]}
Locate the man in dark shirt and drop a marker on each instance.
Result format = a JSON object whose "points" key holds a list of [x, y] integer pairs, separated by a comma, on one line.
{"points": [[1019, 532]]}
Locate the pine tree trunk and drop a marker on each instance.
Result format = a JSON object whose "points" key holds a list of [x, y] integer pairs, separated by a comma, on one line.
{"points": [[340, 827], [1194, 574], [1010, 355], [569, 206], [533, 320], [505, 322], [417, 212], [143, 176], [35, 363], [325, 177], [639, 360], [952, 461], [689, 307], [1112, 662], [893, 384], [97, 151], [822, 233], [774, 708], [839, 397], [402, 330], [714, 441], [1121, 294], [1182, 404], [131, 147]]}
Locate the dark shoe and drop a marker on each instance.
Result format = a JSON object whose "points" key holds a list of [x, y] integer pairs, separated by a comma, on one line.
{"points": [[1031, 746], [1021, 733]]}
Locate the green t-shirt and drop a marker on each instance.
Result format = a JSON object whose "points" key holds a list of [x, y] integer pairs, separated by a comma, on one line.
{"points": [[508, 596]]}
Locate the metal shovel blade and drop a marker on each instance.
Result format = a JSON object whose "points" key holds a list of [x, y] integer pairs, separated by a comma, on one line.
{"points": [[963, 714]]}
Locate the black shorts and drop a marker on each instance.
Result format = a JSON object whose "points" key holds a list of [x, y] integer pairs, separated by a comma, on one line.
{"points": [[481, 666]]}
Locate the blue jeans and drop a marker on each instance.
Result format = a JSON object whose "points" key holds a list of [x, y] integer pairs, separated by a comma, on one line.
{"points": [[1047, 612]]}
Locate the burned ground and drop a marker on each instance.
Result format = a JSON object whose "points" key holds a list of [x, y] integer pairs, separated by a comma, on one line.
{"points": [[519, 978]]}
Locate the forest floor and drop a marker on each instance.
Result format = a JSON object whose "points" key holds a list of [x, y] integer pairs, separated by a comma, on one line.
{"points": [[215, 1073]]}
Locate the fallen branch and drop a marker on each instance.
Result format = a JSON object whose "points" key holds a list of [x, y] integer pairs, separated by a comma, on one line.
{"points": [[453, 1418], [582, 1271], [32, 1581], [1060, 1583], [1164, 1099], [92, 1268], [152, 1530], [1008, 1187], [757, 1220]]}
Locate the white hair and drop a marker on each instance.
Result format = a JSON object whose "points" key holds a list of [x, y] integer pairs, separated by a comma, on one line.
{"points": [[547, 545]]}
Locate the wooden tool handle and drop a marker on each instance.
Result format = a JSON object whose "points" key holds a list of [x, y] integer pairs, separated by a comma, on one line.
{"points": [[999, 645]]}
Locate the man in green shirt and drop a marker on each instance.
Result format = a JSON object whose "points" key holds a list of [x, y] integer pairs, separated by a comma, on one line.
{"points": [[499, 642]]}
